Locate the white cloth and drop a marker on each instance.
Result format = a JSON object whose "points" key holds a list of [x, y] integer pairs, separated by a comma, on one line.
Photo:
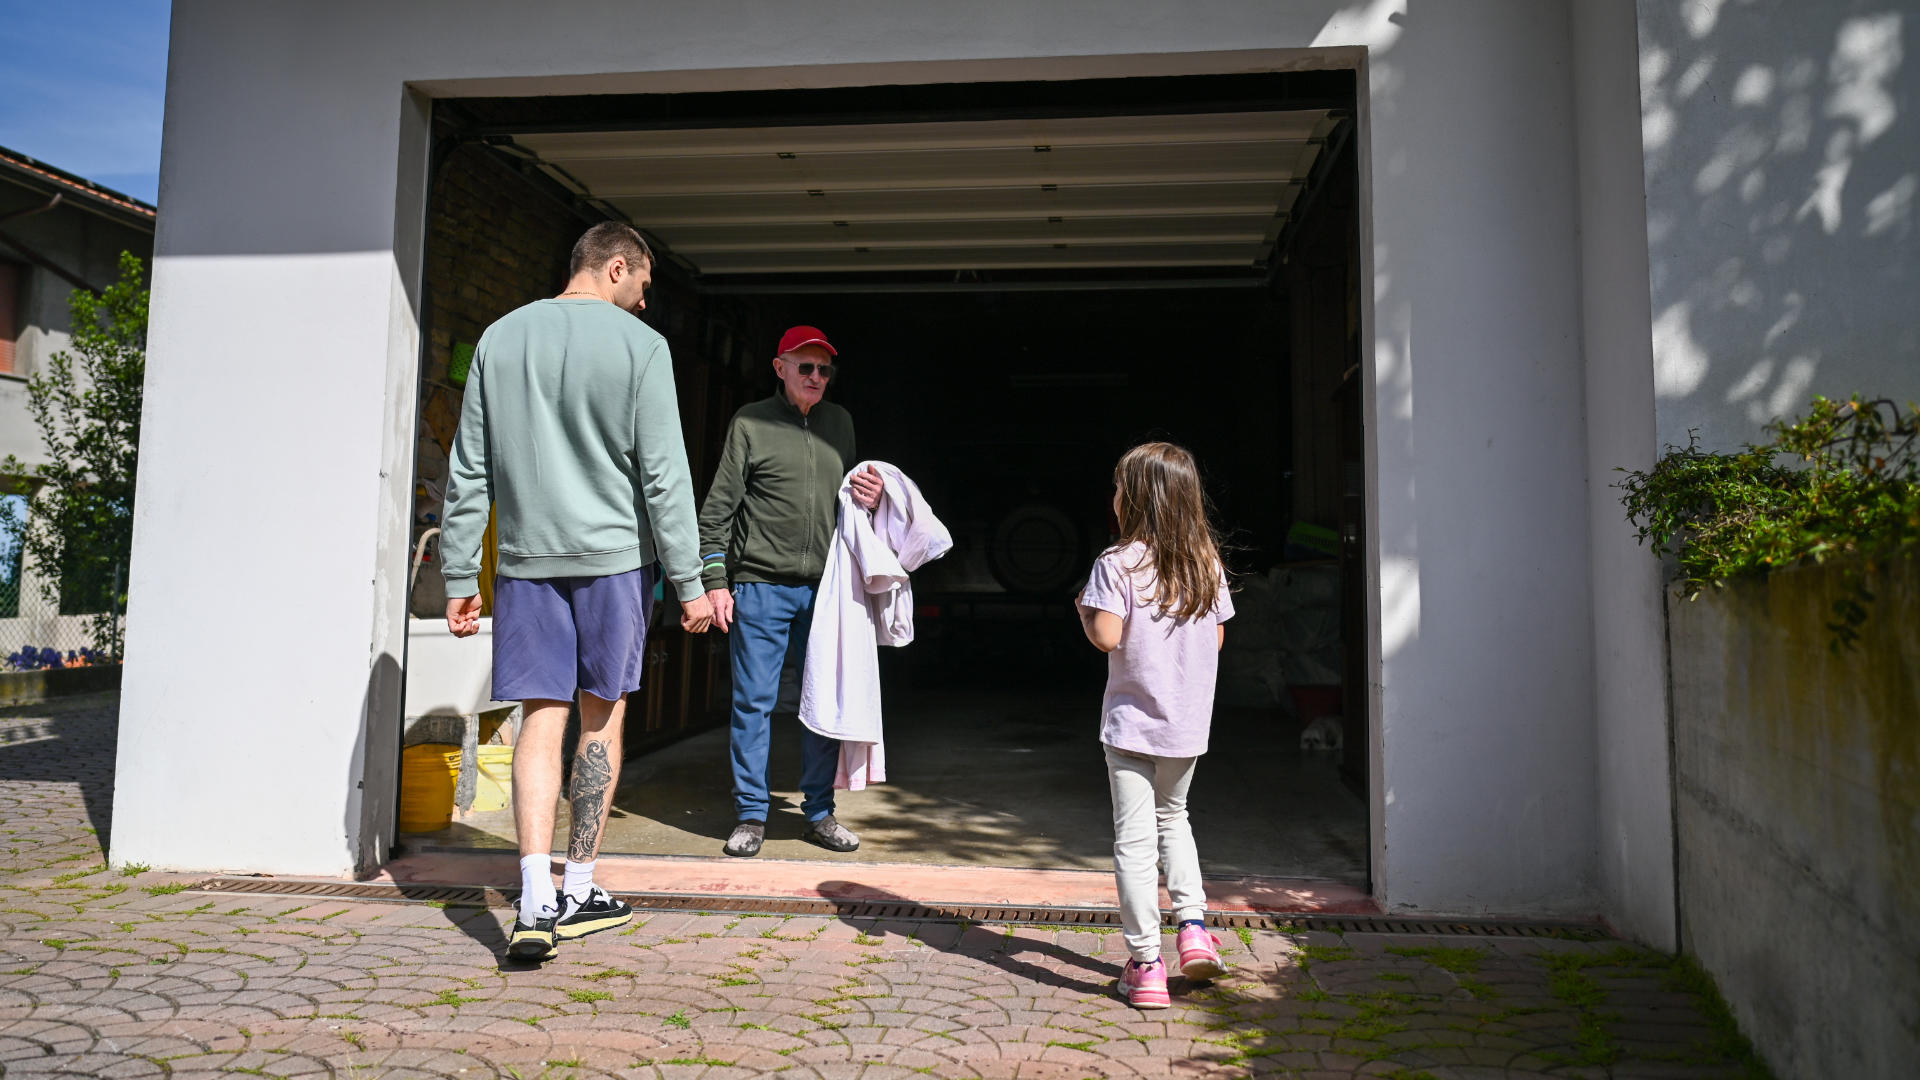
{"points": [[865, 601]]}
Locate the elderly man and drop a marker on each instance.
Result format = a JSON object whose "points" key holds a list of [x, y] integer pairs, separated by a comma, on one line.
{"points": [[570, 435], [764, 532]]}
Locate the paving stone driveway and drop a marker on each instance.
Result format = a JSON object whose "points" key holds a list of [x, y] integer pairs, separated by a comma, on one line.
{"points": [[119, 973]]}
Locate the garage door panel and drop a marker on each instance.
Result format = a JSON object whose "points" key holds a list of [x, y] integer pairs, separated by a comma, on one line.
{"points": [[990, 258], [568, 147], [943, 169], [1120, 200], [699, 240]]}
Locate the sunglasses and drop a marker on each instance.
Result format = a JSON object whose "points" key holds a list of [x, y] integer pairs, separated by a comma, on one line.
{"points": [[806, 370]]}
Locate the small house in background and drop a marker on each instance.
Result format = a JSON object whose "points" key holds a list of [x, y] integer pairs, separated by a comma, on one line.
{"points": [[58, 232]]}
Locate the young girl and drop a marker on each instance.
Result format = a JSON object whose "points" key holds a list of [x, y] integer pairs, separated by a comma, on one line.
{"points": [[1155, 604]]}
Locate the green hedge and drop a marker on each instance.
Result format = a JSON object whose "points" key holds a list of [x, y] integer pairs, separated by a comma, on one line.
{"points": [[1844, 480]]}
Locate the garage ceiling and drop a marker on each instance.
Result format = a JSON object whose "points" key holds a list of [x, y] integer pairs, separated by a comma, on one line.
{"points": [[1186, 190]]}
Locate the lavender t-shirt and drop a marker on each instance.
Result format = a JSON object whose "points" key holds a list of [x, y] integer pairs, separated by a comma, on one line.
{"points": [[1160, 680]]}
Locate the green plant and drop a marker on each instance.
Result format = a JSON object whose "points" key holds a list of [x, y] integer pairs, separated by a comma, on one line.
{"points": [[87, 407], [1844, 480]]}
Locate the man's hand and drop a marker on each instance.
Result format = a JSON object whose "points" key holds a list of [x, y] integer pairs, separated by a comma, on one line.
{"points": [[696, 615], [463, 616], [867, 487], [721, 601]]}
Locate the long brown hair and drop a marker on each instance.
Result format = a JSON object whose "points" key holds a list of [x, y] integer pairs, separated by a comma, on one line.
{"points": [[1164, 506]]}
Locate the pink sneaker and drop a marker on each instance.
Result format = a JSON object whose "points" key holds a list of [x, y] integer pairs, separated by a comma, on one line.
{"points": [[1200, 954], [1145, 985]]}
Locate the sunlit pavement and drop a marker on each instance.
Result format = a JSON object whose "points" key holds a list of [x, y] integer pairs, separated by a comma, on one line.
{"points": [[108, 971]]}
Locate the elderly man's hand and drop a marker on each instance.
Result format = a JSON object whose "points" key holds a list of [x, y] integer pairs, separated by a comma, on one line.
{"points": [[696, 615], [722, 601], [867, 487]]}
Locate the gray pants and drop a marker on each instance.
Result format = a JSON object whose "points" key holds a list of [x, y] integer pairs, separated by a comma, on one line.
{"points": [[1150, 831]]}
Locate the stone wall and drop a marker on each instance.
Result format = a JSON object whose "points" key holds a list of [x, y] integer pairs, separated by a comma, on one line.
{"points": [[1797, 792]]}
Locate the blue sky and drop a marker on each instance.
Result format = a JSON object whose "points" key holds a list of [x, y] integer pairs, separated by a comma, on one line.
{"points": [[82, 86]]}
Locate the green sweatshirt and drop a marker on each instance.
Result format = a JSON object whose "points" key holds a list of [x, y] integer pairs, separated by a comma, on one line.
{"points": [[770, 513], [572, 429]]}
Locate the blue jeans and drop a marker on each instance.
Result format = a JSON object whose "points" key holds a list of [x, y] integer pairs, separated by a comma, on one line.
{"points": [[770, 620]]}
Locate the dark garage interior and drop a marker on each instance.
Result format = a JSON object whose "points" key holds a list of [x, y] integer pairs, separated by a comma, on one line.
{"points": [[1023, 280]]}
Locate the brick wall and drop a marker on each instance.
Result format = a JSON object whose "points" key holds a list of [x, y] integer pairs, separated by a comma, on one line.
{"points": [[495, 242]]}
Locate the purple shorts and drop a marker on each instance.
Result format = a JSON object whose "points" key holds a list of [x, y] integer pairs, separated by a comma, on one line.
{"points": [[555, 636]]}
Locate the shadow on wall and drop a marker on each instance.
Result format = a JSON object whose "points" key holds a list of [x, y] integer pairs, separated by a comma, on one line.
{"points": [[373, 809], [1782, 168]]}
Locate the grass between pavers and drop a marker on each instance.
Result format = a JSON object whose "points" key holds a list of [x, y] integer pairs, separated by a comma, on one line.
{"points": [[1594, 1045], [1363, 1018], [1358, 1022]]}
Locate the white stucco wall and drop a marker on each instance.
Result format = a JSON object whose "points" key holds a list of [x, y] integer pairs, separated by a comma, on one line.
{"points": [[288, 248], [1634, 860], [1782, 175], [1487, 787]]}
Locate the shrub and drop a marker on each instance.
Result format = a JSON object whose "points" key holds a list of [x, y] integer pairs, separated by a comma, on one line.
{"points": [[1844, 480]]}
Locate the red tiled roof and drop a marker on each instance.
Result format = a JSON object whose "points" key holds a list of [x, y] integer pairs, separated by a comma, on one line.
{"points": [[76, 184]]}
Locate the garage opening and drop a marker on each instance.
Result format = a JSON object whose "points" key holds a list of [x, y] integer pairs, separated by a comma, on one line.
{"points": [[1023, 280]]}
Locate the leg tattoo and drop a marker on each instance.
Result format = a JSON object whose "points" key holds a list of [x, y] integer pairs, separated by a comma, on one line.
{"points": [[587, 797]]}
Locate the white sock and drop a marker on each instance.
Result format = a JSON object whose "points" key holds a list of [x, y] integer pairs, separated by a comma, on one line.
{"points": [[537, 898], [579, 881]]}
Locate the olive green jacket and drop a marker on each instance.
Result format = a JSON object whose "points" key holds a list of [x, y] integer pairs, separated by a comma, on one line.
{"points": [[769, 515]]}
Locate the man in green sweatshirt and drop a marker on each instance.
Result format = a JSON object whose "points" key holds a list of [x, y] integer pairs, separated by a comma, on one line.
{"points": [[764, 531], [570, 434]]}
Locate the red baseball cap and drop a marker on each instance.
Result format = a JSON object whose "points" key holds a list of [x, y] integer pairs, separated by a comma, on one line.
{"points": [[805, 335]]}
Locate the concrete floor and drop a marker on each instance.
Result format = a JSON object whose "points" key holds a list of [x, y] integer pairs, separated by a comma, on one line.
{"points": [[989, 779]]}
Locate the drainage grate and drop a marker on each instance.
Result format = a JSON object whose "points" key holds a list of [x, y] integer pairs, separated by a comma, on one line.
{"points": [[1294, 922]]}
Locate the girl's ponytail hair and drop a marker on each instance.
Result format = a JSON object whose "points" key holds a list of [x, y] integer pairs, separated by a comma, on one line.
{"points": [[1164, 506]]}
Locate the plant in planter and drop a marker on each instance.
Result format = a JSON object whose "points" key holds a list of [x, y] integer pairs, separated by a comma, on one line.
{"points": [[29, 658], [1844, 480]]}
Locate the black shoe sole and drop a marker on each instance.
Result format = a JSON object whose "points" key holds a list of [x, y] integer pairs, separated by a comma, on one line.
{"points": [[532, 952]]}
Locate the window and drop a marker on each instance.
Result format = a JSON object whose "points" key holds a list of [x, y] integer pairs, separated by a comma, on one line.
{"points": [[11, 522], [11, 282]]}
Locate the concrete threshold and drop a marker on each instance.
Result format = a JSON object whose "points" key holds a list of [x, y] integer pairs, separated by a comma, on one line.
{"points": [[837, 879]]}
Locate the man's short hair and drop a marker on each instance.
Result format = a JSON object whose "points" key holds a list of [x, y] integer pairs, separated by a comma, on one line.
{"points": [[605, 242]]}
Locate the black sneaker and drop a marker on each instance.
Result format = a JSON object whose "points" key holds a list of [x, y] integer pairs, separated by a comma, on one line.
{"points": [[746, 839], [532, 944], [597, 912], [830, 834]]}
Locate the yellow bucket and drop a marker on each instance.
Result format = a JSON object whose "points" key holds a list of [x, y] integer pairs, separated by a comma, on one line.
{"points": [[493, 790], [427, 776]]}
